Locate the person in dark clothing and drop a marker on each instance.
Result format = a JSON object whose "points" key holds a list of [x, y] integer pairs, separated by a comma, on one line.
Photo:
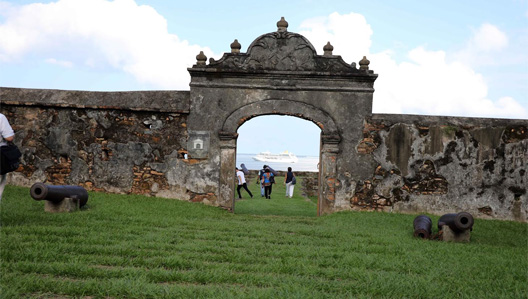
{"points": [[267, 180], [274, 174]]}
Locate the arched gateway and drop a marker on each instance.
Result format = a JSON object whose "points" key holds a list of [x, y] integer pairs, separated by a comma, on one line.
{"points": [[281, 73]]}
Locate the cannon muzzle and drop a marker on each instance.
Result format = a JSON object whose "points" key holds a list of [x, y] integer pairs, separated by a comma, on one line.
{"points": [[457, 222], [40, 191], [422, 226]]}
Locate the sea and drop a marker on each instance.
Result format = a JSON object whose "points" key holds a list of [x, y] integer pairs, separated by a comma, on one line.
{"points": [[305, 163]]}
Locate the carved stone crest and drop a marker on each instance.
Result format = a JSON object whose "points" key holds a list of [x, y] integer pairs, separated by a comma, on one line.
{"points": [[282, 51]]}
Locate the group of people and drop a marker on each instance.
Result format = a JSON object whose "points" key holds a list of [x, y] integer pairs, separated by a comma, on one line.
{"points": [[266, 179]]}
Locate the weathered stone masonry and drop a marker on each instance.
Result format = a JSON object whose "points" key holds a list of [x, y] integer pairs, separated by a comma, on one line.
{"points": [[445, 164], [114, 142], [182, 144]]}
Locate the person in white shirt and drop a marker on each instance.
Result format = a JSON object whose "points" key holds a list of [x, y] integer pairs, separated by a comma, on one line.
{"points": [[241, 183], [6, 135]]}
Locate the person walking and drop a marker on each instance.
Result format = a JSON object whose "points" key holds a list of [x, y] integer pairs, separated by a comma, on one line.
{"points": [[6, 135], [259, 180], [272, 178], [241, 183], [267, 181], [288, 181]]}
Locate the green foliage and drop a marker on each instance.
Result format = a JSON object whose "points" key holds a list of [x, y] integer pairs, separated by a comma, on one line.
{"points": [[127, 246], [450, 130]]}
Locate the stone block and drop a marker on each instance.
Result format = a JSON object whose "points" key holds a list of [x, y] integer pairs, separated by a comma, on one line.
{"points": [[448, 235], [64, 206]]}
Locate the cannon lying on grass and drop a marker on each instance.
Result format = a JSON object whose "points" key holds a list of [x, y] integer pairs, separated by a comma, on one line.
{"points": [[422, 226], [451, 227], [456, 227], [59, 198], [456, 222]]}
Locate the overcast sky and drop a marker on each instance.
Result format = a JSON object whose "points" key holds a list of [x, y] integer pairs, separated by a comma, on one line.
{"points": [[461, 58]]}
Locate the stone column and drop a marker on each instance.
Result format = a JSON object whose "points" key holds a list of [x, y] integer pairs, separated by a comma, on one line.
{"points": [[328, 173], [226, 190]]}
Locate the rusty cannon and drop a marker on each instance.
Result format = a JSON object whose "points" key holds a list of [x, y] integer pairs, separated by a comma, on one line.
{"points": [[58, 194], [422, 226], [458, 223]]}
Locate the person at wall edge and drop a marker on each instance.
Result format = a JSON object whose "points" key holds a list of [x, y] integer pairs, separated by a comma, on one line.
{"points": [[288, 182], [6, 135], [241, 183]]}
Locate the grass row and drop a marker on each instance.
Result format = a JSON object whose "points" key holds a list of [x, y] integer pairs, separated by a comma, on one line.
{"points": [[126, 246]]}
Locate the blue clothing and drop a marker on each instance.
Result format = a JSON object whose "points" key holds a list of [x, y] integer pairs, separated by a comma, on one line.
{"points": [[267, 176]]}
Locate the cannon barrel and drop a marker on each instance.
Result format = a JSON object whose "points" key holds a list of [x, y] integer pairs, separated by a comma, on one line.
{"points": [[244, 169], [422, 226], [457, 222], [40, 191]]}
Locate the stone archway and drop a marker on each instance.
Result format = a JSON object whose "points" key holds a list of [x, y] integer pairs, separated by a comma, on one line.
{"points": [[281, 74], [328, 150]]}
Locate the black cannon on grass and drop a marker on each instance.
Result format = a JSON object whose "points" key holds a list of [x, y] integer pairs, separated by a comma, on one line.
{"points": [[422, 226], [458, 223], [456, 227], [59, 198], [451, 227]]}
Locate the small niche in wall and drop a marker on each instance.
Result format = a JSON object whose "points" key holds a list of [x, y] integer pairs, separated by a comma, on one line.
{"points": [[198, 144]]}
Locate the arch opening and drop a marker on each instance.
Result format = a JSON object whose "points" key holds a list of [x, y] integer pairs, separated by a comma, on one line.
{"points": [[278, 142], [328, 149]]}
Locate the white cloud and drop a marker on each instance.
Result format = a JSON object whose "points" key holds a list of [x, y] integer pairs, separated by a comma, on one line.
{"points": [[483, 46], [349, 34], [427, 83], [63, 63], [100, 34], [4, 7], [489, 38]]}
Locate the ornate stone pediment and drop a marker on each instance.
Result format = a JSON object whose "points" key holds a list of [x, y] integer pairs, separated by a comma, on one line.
{"points": [[280, 51]]}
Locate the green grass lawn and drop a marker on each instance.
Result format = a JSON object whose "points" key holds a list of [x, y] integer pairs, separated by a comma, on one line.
{"points": [[126, 246], [278, 205]]}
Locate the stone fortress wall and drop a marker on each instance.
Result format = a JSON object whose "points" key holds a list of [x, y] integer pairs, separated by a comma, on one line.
{"points": [[135, 142]]}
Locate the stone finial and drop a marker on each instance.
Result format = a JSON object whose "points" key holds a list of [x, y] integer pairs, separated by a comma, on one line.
{"points": [[235, 46], [201, 58], [282, 25], [328, 48], [364, 63], [354, 65]]}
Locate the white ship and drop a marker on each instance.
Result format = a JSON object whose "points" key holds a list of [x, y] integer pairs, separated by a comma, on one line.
{"points": [[284, 157]]}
